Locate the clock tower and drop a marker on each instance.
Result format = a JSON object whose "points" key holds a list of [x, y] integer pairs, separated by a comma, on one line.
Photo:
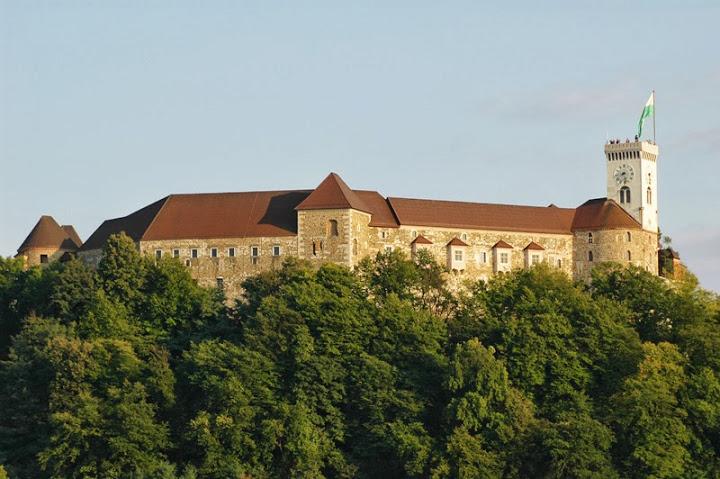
{"points": [[632, 179]]}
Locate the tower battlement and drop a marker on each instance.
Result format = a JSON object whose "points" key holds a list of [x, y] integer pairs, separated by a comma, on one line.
{"points": [[616, 150]]}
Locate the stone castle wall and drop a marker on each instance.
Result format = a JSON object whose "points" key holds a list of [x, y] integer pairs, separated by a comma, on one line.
{"points": [[614, 245], [320, 241], [207, 270], [479, 254], [31, 256]]}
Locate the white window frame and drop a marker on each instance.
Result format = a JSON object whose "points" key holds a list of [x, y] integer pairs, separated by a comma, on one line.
{"points": [[214, 252], [194, 253], [276, 250], [158, 253], [504, 257], [231, 252], [176, 253]]}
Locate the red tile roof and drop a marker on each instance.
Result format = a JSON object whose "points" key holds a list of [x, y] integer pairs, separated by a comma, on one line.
{"points": [[502, 244], [603, 213], [456, 242], [47, 233], [420, 239], [483, 216], [272, 213], [382, 214], [533, 245], [333, 193]]}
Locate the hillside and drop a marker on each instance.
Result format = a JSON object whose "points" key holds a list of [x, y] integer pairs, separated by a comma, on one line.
{"points": [[135, 371]]}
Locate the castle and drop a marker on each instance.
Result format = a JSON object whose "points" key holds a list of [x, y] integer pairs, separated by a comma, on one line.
{"points": [[225, 237]]}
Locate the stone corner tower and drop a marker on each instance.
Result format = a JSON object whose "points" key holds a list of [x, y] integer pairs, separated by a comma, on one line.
{"points": [[632, 179]]}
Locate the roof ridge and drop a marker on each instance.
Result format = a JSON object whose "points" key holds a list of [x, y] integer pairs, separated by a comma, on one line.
{"points": [[389, 198], [332, 193]]}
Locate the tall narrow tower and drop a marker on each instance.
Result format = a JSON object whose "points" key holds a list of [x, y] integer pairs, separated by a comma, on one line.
{"points": [[632, 179]]}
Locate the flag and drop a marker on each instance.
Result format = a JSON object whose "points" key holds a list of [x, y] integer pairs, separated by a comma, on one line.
{"points": [[647, 112]]}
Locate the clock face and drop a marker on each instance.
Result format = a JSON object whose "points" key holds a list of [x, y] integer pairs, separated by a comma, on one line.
{"points": [[624, 174]]}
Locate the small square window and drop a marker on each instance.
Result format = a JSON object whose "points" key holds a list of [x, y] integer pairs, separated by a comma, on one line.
{"points": [[176, 253], [276, 250], [158, 253], [231, 252], [43, 259], [194, 253], [458, 255], [213, 252]]}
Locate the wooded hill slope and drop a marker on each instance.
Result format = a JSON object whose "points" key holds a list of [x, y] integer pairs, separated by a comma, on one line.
{"points": [[133, 371]]}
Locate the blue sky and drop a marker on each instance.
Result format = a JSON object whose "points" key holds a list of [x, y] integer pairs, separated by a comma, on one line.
{"points": [[108, 106]]}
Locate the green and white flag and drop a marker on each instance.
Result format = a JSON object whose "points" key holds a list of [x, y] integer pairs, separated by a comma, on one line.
{"points": [[647, 112]]}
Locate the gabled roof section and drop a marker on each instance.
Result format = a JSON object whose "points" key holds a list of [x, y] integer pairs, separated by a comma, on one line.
{"points": [[456, 242], [534, 246], [134, 225], [502, 244], [47, 233], [206, 216], [603, 213], [382, 214], [482, 216], [333, 193], [420, 239]]}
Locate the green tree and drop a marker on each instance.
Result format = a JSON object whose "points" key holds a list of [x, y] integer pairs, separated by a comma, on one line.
{"points": [[122, 270], [650, 423]]}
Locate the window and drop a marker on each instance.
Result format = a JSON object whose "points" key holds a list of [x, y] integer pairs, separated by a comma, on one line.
{"points": [[624, 195], [158, 253], [231, 252], [535, 259], [276, 250], [590, 256], [383, 234], [458, 255], [333, 228], [503, 258], [176, 253], [629, 256], [649, 196], [194, 253], [220, 283], [254, 254], [314, 249], [414, 234], [590, 238], [43, 259], [464, 236], [483, 257], [388, 249], [187, 262], [559, 263], [628, 236], [213, 252]]}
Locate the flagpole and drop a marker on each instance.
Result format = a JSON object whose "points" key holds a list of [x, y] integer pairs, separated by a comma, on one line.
{"points": [[654, 138]]}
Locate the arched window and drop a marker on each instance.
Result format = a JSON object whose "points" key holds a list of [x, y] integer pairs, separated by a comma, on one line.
{"points": [[629, 236], [649, 195], [590, 238], [314, 249], [624, 195], [590, 256], [332, 228], [629, 256]]}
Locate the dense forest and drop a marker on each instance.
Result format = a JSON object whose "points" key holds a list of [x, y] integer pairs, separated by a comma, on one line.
{"points": [[134, 371]]}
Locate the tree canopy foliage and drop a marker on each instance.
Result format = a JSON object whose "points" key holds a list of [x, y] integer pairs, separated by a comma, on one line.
{"points": [[133, 370]]}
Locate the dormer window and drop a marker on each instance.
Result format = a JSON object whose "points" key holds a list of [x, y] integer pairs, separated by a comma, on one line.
{"points": [[458, 255]]}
